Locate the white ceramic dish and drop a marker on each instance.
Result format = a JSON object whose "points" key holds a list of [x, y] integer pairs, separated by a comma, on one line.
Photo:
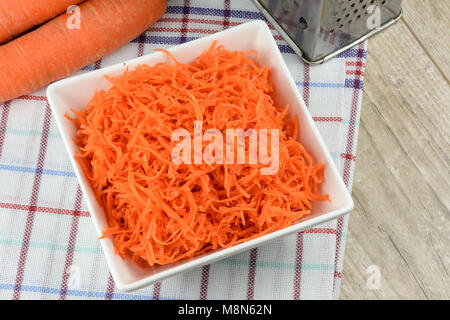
{"points": [[76, 92]]}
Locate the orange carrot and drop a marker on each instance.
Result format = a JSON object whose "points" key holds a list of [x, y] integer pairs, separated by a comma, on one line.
{"points": [[159, 212], [54, 51], [18, 16]]}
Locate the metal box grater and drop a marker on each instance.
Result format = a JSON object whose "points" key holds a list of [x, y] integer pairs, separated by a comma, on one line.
{"points": [[318, 30]]}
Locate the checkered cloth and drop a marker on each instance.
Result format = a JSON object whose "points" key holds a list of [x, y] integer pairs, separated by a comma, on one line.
{"points": [[48, 246]]}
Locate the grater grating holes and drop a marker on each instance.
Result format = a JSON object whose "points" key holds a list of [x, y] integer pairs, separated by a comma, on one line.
{"points": [[350, 11]]}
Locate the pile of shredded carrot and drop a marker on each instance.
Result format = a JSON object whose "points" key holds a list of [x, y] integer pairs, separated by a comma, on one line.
{"points": [[159, 212]]}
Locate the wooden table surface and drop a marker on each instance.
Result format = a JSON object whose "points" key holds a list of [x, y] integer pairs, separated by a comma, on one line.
{"points": [[401, 222]]}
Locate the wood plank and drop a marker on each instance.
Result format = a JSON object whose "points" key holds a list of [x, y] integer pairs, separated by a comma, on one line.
{"points": [[401, 219], [430, 23]]}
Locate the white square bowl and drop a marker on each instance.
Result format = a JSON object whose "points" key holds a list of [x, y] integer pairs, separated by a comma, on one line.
{"points": [[76, 92]]}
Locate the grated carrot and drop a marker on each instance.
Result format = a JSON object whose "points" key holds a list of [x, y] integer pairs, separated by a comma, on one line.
{"points": [[159, 212]]}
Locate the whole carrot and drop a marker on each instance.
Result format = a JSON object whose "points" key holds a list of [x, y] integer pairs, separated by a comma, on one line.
{"points": [[18, 16], [56, 50]]}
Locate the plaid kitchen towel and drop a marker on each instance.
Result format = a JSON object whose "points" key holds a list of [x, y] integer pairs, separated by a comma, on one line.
{"points": [[48, 246]]}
